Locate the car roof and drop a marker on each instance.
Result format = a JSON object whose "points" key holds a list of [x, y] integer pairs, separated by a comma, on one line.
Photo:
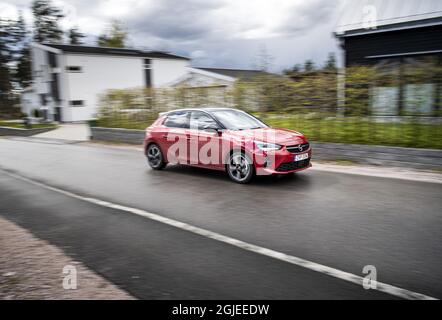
{"points": [[205, 109]]}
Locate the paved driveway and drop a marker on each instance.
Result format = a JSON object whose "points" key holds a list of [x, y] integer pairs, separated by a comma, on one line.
{"points": [[71, 132]]}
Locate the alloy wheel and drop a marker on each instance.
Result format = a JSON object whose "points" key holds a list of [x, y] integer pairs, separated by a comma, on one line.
{"points": [[154, 157], [240, 168]]}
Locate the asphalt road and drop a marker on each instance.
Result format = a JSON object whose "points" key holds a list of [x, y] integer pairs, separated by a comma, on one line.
{"points": [[338, 220]]}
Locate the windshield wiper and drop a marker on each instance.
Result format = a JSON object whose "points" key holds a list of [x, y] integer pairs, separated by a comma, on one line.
{"points": [[242, 129]]}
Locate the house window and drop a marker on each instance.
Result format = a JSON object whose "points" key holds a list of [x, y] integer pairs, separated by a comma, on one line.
{"points": [[76, 103], [147, 71], [385, 94], [406, 86], [419, 85], [74, 69], [43, 99]]}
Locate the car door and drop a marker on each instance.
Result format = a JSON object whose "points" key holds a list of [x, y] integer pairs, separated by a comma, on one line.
{"points": [[204, 143], [175, 136]]}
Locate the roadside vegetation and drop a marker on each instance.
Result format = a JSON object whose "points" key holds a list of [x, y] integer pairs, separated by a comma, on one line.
{"points": [[361, 130], [306, 101], [21, 125], [349, 130]]}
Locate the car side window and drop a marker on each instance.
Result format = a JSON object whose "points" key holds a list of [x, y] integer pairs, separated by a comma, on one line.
{"points": [[200, 120], [177, 120]]}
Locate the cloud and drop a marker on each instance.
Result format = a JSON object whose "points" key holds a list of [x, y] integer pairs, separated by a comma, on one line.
{"points": [[230, 19], [229, 32]]}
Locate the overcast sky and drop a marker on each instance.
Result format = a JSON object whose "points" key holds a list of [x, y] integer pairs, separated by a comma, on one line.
{"points": [[216, 33]]}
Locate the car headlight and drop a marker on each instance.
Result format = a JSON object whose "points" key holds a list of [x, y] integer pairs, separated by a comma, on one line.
{"points": [[267, 146]]}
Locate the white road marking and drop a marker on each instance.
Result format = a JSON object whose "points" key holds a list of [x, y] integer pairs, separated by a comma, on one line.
{"points": [[346, 276]]}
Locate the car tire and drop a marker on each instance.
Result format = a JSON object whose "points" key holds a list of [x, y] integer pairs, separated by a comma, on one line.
{"points": [[239, 167], [155, 157]]}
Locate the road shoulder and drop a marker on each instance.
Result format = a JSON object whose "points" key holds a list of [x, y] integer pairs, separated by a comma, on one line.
{"points": [[381, 172]]}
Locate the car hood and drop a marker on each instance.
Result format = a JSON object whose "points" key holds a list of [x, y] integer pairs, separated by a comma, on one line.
{"points": [[279, 136]]}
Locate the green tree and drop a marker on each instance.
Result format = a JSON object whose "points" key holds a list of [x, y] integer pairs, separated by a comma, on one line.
{"points": [[358, 81], [75, 36], [263, 60], [114, 37], [21, 55], [309, 66], [6, 57], [296, 69], [46, 21], [23, 74], [330, 64]]}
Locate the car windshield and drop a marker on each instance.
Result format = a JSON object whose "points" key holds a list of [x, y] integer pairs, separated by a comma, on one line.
{"points": [[237, 120]]}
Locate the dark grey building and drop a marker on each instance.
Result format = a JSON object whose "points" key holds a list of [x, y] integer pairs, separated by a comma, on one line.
{"points": [[403, 41]]}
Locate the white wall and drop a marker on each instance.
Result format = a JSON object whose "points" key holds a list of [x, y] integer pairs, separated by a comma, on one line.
{"points": [[167, 71], [29, 100], [99, 74], [41, 79], [40, 70]]}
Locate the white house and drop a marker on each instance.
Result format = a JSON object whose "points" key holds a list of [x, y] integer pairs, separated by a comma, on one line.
{"points": [[67, 79], [215, 77], [217, 82]]}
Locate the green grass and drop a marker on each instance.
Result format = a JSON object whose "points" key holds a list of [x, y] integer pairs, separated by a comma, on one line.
{"points": [[339, 130], [22, 126], [360, 131]]}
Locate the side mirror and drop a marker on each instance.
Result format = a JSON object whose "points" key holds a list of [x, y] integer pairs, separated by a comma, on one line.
{"points": [[211, 127]]}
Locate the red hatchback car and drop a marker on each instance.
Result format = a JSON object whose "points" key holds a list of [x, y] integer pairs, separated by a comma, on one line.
{"points": [[225, 139]]}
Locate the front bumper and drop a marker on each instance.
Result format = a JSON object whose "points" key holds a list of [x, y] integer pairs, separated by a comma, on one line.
{"points": [[280, 162]]}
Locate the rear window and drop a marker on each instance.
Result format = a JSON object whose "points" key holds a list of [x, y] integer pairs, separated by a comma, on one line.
{"points": [[177, 120]]}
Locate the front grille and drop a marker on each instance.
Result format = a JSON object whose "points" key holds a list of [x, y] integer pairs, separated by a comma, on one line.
{"points": [[289, 166], [298, 148]]}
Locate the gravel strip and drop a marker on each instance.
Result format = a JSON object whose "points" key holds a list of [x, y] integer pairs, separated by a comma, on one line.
{"points": [[31, 268]]}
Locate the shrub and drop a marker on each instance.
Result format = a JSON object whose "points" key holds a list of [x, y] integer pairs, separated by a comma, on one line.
{"points": [[308, 102], [36, 113]]}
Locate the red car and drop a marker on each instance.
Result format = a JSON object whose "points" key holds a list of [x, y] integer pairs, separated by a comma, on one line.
{"points": [[225, 139]]}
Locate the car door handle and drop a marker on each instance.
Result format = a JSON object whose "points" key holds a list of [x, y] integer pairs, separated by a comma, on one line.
{"points": [[164, 136]]}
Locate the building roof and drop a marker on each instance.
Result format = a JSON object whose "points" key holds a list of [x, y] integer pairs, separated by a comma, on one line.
{"points": [[114, 51], [235, 73], [388, 15]]}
